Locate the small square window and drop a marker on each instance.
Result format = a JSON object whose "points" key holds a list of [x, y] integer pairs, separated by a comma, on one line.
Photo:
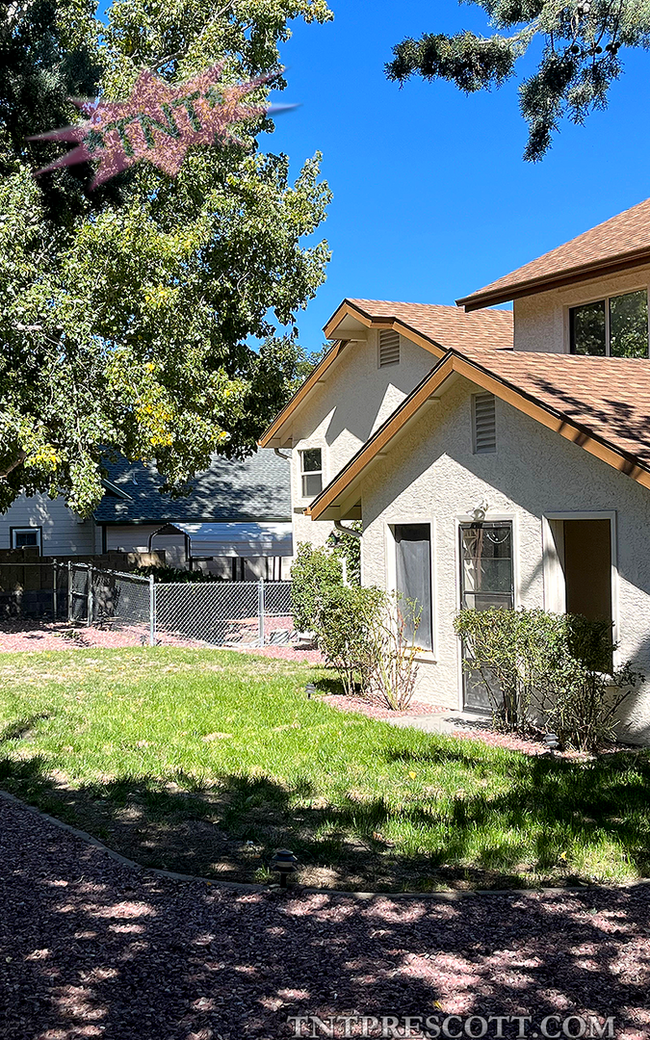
{"points": [[311, 472], [26, 538]]}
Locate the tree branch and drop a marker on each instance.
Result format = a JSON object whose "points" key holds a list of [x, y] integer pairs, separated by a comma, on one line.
{"points": [[17, 461]]}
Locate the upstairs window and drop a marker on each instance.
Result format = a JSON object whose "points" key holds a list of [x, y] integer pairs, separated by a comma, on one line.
{"points": [[484, 424], [388, 348], [615, 327], [311, 472]]}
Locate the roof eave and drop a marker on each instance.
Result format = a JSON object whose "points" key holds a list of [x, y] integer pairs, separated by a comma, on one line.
{"points": [[572, 276], [547, 416]]}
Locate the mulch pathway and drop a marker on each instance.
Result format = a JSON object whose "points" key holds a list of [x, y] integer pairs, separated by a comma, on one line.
{"points": [[92, 948]]}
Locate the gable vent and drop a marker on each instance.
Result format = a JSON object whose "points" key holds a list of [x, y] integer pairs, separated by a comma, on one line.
{"points": [[388, 348], [484, 423]]}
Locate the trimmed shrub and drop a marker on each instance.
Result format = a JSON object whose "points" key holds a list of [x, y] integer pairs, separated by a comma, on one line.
{"points": [[548, 670], [346, 621], [315, 573]]}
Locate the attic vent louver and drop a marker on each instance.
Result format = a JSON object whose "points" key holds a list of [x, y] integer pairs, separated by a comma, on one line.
{"points": [[388, 348], [484, 424]]}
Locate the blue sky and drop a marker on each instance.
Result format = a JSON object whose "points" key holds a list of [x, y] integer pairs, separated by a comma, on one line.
{"points": [[431, 196], [432, 199]]}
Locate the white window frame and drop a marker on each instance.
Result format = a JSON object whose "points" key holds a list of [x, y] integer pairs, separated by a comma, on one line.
{"points": [[430, 656], [554, 586], [311, 472], [27, 529], [606, 301]]}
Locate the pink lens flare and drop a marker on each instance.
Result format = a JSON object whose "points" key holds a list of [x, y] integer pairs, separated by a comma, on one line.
{"points": [[159, 122]]}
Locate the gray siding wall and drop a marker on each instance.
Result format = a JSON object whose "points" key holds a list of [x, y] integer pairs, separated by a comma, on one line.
{"points": [[62, 531]]}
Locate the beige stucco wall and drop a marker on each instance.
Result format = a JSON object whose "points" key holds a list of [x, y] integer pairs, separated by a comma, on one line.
{"points": [[432, 475], [542, 321], [340, 414]]}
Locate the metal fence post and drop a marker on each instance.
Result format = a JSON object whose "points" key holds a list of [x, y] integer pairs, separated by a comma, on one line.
{"points": [[69, 592], [90, 595], [260, 610], [54, 591], [152, 611]]}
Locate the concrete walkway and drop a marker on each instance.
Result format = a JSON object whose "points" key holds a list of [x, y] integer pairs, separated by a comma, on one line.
{"points": [[443, 722]]}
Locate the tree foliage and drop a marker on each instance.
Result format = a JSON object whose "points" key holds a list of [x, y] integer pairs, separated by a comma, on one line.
{"points": [[127, 312], [582, 44]]}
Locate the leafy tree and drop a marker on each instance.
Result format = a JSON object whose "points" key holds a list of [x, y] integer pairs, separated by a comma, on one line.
{"points": [[581, 41], [126, 313]]}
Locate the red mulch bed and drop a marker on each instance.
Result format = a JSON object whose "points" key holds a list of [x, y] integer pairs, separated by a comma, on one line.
{"points": [[91, 948], [374, 709], [478, 730]]}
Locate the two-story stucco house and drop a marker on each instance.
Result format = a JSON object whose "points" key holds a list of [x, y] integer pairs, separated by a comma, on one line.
{"points": [[494, 463]]}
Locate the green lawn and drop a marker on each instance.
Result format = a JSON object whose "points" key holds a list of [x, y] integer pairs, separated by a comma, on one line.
{"points": [[205, 761]]}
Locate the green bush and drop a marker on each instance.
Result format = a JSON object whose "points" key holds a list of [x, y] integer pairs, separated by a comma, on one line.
{"points": [[348, 548], [548, 670], [314, 574], [346, 620]]}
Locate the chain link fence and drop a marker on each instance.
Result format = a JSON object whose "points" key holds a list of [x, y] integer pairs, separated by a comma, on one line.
{"points": [[224, 614]]}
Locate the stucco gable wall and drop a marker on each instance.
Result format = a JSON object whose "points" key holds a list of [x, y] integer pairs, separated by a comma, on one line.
{"points": [[542, 322], [432, 475], [340, 414]]}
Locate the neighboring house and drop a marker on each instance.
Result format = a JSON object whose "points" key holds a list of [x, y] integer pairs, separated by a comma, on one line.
{"points": [[236, 521], [507, 477]]}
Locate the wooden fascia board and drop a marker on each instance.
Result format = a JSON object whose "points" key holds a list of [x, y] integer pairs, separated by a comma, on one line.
{"points": [[478, 301], [301, 393], [418, 338], [348, 309], [493, 384], [345, 310], [374, 446]]}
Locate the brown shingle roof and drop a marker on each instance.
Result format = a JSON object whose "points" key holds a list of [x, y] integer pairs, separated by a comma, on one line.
{"points": [[449, 327], [440, 328], [600, 404], [622, 241], [608, 397]]}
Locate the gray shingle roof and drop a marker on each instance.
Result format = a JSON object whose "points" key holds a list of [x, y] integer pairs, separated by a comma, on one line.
{"points": [[256, 489]]}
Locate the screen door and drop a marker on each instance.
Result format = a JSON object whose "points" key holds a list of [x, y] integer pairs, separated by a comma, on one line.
{"points": [[486, 580]]}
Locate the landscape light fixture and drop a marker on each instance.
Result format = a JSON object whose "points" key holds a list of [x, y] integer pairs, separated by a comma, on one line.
{"points": [[310, 688], [552, 742], [284, 863]]}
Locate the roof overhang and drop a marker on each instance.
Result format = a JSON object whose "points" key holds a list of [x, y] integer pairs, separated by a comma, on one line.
{"points": [[274, 435], [349, 323], [491, 296], [344, 491]]}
